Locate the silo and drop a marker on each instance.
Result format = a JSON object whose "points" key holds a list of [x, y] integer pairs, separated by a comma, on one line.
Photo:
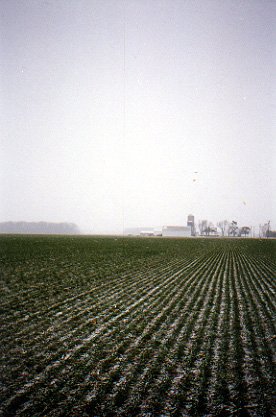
{"points": [[191, 223]]}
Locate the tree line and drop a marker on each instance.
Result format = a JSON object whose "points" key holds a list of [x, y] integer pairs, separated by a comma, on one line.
{"points": [[39, 228], [227, 228]]}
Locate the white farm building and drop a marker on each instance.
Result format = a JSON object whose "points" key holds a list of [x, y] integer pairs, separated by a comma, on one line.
{"points": [[176, 231]]}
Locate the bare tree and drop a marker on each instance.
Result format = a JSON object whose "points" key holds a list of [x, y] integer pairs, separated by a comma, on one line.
{"points": [[223, 226], [206, 228], [268, 228], [214, 230], [210, 229], [233, 229], [244, 231], [264, 229], [202, 225]]}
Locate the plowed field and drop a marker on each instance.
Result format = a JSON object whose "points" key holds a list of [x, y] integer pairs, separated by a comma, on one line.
{"points": [[94, 326]]}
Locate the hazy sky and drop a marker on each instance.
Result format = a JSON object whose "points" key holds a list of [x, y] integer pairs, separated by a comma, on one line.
{"points": [[109, 107]]}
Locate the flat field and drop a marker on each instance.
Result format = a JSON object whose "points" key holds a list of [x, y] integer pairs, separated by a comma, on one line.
{"points": [[95, 326]]}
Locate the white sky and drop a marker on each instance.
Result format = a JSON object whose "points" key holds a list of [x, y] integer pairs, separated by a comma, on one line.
{"points": [[108, 108]]}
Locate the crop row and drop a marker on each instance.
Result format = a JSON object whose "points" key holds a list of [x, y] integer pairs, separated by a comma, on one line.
{"points": [[164, 335], [56, 349]]}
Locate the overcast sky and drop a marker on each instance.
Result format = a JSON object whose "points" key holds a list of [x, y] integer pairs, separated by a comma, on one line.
{"points": [[136, 113]]}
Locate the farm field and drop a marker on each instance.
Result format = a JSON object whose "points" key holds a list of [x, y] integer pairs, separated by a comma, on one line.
{"points": [[106, 326]]}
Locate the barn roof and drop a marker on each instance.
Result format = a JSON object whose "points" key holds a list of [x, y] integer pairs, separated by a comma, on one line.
{"points": [[184, 228]]}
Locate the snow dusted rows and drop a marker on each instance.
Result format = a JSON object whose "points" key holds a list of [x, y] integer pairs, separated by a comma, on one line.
{"points": [[179, 328]]}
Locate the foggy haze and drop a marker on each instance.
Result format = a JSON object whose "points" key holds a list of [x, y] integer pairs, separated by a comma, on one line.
{"points": [[119, 114]]}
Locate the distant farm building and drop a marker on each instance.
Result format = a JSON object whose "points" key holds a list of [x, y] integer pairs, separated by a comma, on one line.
{"points": [[176, 231], [139, 231], [146, 233]]}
